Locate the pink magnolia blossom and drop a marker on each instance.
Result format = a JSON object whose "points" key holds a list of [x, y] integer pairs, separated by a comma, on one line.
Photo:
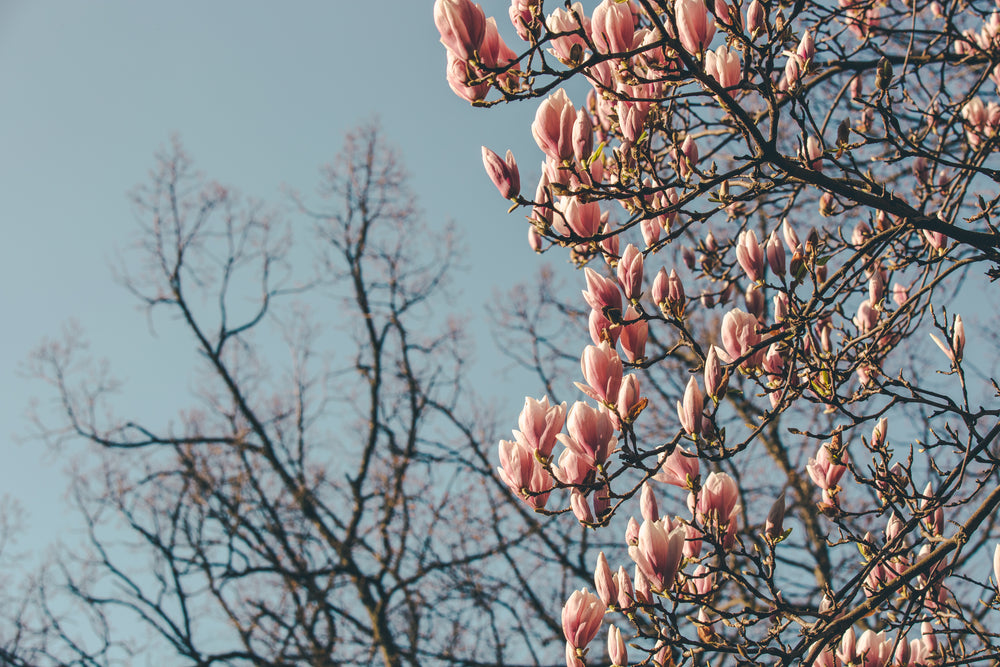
{"points": [[524, 17], [650, 228], [690, 411], [958, 338], [659, 552], [601, 328], [754, 299], [695, 28], [812, 154], [569, 47], [954, 353], [630, 272], [602, 293], [523, 474], [680, 468], [874, 649], [717, 502], [626, 593], [583, 136], [687, 155], [616, 647], [724, 66], [634, 335], [755, 19], [581, 509], [774, 524], [503, 173], [750, 255], [604, 581], [539, 423], [739, 336], [572, 659], [775, 252], [867, 317], [647, 503], [715, 380], [642, 589], [847, 651], [581, 618], [534, 239], [462, 25], [827, 469], [553, 126], [791, 238], [701, 582], [591, 434], [630, 403], [612, 27], [572, 467], [900, 294], [494, 54], [780, 302], [934, 519], [459, 73], [806, 49], [602, 370], [584, 218]]}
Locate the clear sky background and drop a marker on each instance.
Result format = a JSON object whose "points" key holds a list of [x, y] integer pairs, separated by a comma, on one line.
{"points": [[261, 94]]}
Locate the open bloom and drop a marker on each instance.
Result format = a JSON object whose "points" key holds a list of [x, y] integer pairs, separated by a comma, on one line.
{"points": [[523, 474], [553, 126], [539, 423], [827, 469], [680, 468], [718, 500], [591, 434], [630, 272], [659, 552]]}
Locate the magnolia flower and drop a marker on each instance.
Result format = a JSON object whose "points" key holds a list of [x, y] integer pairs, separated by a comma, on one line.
{"points": [[659, 552], [581, 617]]}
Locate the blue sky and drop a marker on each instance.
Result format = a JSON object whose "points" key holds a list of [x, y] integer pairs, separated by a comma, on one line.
{"points": [[260, 94]]}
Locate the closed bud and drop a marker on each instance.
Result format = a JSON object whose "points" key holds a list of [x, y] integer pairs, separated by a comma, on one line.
{"points": [[883, 76], [755, 19], [827, 205], [715, 380], [616, 647], [958, 338], [775, 255], [774, 526], [626, 594], [690, 411], [647, 503], [581, 508], [604, 581], [687, 255], [755, 301], [632, 532]]}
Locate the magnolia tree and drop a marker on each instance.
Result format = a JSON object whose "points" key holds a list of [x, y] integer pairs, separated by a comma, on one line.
{"points": [[772, 207]]}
